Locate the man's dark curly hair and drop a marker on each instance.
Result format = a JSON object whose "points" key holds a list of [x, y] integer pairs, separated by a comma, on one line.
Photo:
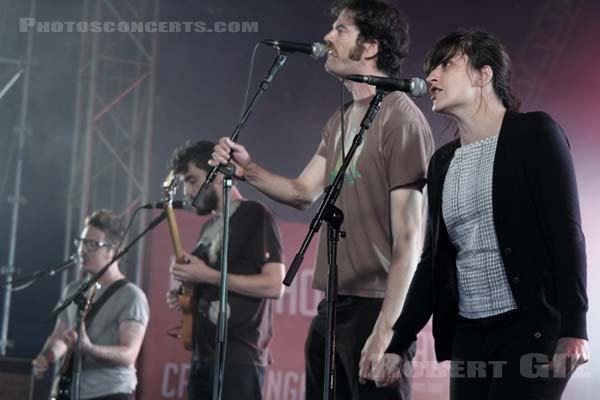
{"points": [[198, 153], [380, 20], [109, 223]]}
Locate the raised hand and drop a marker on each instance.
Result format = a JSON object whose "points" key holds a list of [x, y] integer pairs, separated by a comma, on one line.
{"points": [[227, 150]]}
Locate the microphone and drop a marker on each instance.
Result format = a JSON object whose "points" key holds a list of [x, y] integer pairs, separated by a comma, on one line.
{"points": [[315, 50], [74, 259], [161, 204], [415, 86]]}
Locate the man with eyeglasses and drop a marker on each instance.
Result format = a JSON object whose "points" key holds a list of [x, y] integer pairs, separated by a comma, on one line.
{"points": [[111, 342]]}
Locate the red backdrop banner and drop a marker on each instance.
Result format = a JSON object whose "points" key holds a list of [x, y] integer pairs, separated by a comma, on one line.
{"points": [[164, 364]]}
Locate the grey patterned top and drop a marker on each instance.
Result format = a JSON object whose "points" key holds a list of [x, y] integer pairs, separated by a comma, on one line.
{"points": [[467, 210]]}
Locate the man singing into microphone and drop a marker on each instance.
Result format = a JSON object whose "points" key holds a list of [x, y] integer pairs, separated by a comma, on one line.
{"points": [[255, 275], [380, 197]]}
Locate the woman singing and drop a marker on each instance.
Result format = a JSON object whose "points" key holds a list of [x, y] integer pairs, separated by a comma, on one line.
{"points": [[503, 269]]}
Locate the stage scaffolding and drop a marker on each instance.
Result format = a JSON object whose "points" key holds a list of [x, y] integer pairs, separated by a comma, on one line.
{"points": [[113, 122], [113, 126], [19, 74]]}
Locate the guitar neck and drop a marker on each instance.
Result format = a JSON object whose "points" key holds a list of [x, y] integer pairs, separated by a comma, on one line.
{"points": [[186, 294], [67, 359], [179, 256]]}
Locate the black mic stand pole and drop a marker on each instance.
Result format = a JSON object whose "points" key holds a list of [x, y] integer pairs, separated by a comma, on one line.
{"points": [[210, 177], [79, 299], [81, 302], [228, 172], [334, 217]]}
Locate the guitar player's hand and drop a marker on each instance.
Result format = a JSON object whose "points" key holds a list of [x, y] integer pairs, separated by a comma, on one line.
{"points": [[173, 299], [41, 364], [70, 339], [195, 271]]}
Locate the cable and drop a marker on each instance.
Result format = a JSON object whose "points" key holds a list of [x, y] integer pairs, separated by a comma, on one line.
{"points": [[342, 128], [127, 229], [250, 73], [23, 282]]}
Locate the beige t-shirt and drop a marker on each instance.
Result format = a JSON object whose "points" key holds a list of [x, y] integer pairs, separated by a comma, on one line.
{"points": [[394, 154]]}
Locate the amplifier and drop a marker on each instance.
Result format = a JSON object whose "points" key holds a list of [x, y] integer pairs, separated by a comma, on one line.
{"points": [[16, 378]]}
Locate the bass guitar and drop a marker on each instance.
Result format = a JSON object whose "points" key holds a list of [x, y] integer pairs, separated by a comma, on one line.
{"points": [[187, 298]]}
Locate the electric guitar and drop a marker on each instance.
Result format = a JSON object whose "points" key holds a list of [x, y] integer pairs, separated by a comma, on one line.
{"points": [[187, 298], [61, 387]]}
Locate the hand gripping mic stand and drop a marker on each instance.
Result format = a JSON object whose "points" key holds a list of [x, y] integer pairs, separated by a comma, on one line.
{"points": [[210, 177], [228, 175], [334, 217], [79, 298]]}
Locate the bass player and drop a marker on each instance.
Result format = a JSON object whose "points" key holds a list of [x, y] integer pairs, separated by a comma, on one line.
{"points": [[255, 278]]}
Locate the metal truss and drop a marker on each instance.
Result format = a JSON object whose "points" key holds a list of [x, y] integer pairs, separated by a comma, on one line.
{"points": [[547, 40], [17, 72], [113, 126]]}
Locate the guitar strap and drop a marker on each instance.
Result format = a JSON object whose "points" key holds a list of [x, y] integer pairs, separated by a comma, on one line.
{"points": [[95, 306]]}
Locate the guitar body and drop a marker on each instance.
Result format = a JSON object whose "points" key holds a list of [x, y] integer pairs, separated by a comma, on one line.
{"points": [[187, 301], [61, 387]]}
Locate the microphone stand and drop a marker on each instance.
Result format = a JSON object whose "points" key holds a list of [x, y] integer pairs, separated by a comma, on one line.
{"points": [[210, 177], [334, 217], [79, 299], [23, 282], [228, 172]]}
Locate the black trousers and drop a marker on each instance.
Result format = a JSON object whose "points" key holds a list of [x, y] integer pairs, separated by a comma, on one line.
{"points": [[355, 318], [495, 359], [240, 381]]}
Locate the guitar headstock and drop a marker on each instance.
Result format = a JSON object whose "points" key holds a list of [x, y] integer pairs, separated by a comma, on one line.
{"points": [[91, 296], [97, 286], [169, 188]]}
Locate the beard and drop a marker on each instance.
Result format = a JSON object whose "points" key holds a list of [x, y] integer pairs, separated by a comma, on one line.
{"points": [[357, 51], [340, 67], [209, 203]]}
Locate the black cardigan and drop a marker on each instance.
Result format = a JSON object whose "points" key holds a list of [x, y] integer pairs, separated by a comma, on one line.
{"points": [[538, 225]]}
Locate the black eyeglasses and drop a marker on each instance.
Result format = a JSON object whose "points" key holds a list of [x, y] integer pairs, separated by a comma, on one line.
{"points": [[91, 244]]}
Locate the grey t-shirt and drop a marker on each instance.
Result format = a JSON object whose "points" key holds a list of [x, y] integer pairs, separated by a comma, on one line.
{"points": [[98, 377]]}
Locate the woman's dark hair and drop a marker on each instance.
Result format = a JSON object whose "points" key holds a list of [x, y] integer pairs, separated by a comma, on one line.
{"points": [[380, 20], [482, 48]]}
